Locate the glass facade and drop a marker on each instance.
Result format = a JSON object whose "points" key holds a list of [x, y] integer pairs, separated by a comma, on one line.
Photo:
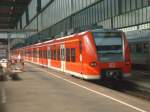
{"points": [[62, 15]]}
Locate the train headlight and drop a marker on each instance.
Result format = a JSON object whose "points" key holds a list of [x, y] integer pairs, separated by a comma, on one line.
{"points": [[93, 64]]}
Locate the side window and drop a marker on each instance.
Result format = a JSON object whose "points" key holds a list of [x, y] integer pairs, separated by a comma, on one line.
{"points": [[30, 53], [58, 54], [67, 54], [54, 54], [73, 54], [40, 54], [35, 53], [45, 54], [80, 47]]}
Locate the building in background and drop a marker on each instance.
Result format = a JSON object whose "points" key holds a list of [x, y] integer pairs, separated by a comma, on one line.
{"points": [[56, 18]]}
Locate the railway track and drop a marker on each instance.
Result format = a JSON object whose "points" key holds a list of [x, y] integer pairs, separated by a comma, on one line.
{"points": [[125, 86]]}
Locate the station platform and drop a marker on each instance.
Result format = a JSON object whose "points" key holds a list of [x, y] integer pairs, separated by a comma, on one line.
{"points": [[44, 90]]}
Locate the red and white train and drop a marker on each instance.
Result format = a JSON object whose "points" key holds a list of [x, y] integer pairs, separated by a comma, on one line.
{"points": [[92, 54]]}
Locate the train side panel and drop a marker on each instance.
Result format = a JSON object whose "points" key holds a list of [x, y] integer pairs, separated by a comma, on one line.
{"points": [[55, 56], [34, 55], [73, 54]]}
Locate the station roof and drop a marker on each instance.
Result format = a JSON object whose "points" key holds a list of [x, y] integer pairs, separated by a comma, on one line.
{"points": [[10, 11]]}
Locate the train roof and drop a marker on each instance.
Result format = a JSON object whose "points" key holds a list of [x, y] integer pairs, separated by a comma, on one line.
{"points": [[73, 35]]}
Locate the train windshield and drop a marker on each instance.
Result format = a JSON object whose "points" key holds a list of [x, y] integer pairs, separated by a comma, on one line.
{"points": [[109, 46]]}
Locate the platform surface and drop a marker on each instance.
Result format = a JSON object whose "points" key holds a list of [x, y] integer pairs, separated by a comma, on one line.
{"points": [[42, 90]]}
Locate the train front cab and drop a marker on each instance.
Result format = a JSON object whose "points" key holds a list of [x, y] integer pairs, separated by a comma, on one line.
{"points": [[106, 54]]}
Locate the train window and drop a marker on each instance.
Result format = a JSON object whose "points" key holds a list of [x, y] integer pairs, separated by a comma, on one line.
{"points": [[40, 54], [34, 53], [73, 54], [37, 53], [45, 54], [30, 53], [109, 46], [80, 47], [55, 54], [58, 54], [67, 54], [107, 38], [52, 54]]}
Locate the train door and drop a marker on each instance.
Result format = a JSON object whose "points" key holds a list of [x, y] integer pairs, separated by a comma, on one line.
{"points": [[62, 47], [49, 56], [37, 55]]}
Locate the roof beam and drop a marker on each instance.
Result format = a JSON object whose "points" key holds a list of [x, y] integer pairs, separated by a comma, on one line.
{"points": [[7, 18], [3, 11], [11, 11], [9, 15], [4, 26], [18, 30], [11, 3]]}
